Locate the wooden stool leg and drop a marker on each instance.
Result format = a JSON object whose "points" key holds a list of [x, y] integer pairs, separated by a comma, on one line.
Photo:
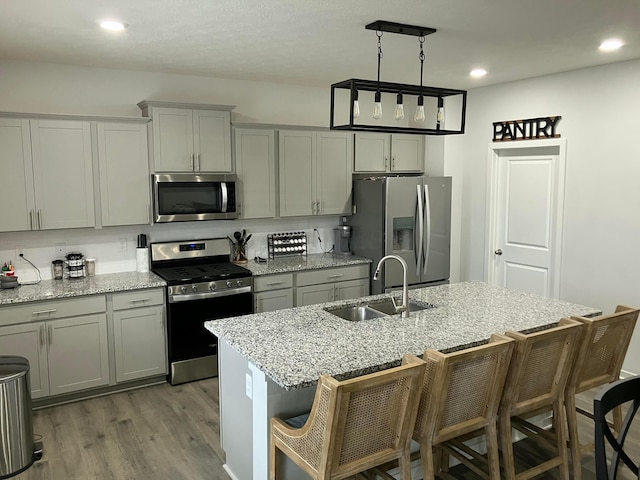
{"points": [[561, 436], [273, 456], [574, 439], [426, 455], [405, 464], [506, 443], [493, 458]]}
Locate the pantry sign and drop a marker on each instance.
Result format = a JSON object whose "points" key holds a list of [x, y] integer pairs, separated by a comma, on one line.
{"points": [[529, 129]]}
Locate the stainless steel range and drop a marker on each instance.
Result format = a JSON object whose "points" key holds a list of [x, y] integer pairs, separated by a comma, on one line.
{"points": [[202, 284]]}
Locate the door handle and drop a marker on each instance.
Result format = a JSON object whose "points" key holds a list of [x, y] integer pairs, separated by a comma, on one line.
{"points": [[50, 332], [198, 161], [42, 327], [427, 222], [39, 219], [498, 252], [31, 220], [420, 227]]}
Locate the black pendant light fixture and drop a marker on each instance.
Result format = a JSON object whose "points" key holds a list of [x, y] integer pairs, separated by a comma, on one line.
{"points": [[427, 119]]}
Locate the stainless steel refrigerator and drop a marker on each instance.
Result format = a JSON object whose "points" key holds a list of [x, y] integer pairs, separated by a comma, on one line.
{"points": [[405, 216]]}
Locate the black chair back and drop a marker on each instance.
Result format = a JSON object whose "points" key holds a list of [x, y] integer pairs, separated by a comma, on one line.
{"points": [[616, 393]]}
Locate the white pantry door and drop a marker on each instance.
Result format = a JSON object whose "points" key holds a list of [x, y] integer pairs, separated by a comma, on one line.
{"points": [[526, 200]]}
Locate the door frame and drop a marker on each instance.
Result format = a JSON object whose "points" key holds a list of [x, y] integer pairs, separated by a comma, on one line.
{"points": [[495, 151]]}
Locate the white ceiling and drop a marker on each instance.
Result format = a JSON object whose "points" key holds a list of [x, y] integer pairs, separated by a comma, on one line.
{"points": [[318, 42]]}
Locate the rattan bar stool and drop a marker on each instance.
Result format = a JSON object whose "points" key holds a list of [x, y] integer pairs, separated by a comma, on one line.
{"points": [[354, 425], [605, 342], [537, 377], [460, 395]]}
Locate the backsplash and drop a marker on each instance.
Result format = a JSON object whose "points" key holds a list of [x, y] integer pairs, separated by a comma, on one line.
{"points": [[114, 248]]}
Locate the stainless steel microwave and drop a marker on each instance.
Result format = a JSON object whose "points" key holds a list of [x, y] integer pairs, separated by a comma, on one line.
{"points": [[186, 197]]}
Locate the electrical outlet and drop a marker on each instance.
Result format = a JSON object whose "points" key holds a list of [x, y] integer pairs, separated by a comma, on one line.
{"points": [[122, 244], [249, 386], [60, 250], [19, 251]]}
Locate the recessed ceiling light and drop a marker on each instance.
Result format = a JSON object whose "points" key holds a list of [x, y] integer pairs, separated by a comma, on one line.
{"points": [[113, 25], [611, 44], [478, 72]]}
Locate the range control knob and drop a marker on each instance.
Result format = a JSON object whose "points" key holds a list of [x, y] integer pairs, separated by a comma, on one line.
{"points": [[229, 284], [194, 288], [183, 289], [239, 283], [212, 286]]}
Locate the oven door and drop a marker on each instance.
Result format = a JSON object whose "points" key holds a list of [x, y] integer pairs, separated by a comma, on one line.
{"points": [[193, 350], [182, 197]]}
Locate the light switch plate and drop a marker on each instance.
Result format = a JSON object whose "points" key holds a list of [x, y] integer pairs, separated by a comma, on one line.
{"points": [[249, 386]]}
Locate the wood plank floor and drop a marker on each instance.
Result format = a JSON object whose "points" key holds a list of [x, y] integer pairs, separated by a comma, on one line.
{"points": [[164, 432]]}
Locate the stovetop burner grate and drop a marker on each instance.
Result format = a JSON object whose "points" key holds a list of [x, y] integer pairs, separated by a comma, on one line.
{"points": [[201, 273]]}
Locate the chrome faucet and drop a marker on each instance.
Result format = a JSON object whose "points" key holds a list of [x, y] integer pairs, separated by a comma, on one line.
{"points": [[404, 308]]}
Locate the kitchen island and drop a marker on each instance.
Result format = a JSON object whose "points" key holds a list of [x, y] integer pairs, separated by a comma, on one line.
{"points": [[270, 362]]}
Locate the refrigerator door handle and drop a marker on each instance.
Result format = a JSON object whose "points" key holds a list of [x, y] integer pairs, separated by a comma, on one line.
{"points": [[427, 222], [420, 227]]}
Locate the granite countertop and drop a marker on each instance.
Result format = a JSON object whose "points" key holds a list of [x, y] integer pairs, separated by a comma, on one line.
{"points": [[295, 346], [299, 263], [55, 289]]}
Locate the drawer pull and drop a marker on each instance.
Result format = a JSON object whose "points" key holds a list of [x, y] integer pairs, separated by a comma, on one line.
{"points": [[136, 300], [274, 283], [42, 312], [337, 276]]}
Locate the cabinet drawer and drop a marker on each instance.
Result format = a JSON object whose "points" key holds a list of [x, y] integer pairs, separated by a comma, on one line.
{"points": [[138, 298], [330, 275], [272, 282], [51, 309]]}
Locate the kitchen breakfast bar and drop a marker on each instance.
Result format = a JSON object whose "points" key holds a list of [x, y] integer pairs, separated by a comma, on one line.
{"points": [[270, 362]]}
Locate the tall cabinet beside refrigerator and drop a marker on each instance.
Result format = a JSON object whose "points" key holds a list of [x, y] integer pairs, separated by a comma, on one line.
{"points": [[405, 216]]}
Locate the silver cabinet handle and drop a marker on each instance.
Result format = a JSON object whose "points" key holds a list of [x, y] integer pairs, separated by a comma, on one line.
{"points": [[42, 312], [198, 161], [193, 161], [50, 335], [386, 163], [393, 163], [42, 336], [274, 283], [30, 219], [135, 300], [319, 206], [39, 219], [498, 252], [313, 208], [337, 275]]}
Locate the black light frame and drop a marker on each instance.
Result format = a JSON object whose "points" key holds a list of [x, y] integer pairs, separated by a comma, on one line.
{"points": [[354, 85]]}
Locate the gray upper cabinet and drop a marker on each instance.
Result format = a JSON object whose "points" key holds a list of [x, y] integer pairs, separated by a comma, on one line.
{"points": [[385, 153], [256, 170], [190, 138], [315, 173], [16, 165], [50, 166], [123, 162]]}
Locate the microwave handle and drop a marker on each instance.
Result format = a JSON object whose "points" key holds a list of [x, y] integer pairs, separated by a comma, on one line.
{"points": [[225, 196]]}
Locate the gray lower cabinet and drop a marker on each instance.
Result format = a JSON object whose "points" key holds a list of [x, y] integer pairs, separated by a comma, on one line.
{"points": [[65, 354], [139, 334], [330, 284], [273, 292]]}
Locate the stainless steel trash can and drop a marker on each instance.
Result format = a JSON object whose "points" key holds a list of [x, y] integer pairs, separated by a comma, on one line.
{"points": [[18, 451]]}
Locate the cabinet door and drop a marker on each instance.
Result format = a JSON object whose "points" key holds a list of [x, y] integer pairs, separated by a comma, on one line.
{"points": [[371, 152], [140, 343], [297, 152], [78, 353], [314, 294], [124, 174], [407, 153], [63, 173], [28, 341], [173, 139], [256, 171], [352, 289], [212, 140], [16, 191], [274, 300], [333, 172]]}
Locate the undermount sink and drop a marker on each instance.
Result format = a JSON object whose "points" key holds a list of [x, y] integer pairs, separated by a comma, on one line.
{"points": [[381, 308], [356, 313], [386, 306]]}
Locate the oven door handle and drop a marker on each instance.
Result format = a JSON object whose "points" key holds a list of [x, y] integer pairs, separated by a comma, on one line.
{"points": [[205, 295]]}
